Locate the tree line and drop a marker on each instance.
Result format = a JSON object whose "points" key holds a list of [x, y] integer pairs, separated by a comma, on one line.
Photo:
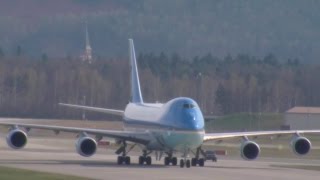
{"points": [[220, 27], [31, 87]]}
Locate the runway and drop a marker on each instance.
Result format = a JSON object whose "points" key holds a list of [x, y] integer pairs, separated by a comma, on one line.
{"points": [[58, 156]]}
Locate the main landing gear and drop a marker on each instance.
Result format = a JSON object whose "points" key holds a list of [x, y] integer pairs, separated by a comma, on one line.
{"points": [[196, 160], [185, 162], [145, 158], [123, 158], [169, 159]]}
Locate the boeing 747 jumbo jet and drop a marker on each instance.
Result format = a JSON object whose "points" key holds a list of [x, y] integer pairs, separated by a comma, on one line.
{"points": [[174, 127]]}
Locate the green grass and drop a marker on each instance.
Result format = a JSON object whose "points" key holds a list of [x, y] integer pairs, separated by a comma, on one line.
{"points": [[14, 173], [246, 122]]}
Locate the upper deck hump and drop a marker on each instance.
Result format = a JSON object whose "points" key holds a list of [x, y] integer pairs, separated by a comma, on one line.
{"points": [[150, 112]]}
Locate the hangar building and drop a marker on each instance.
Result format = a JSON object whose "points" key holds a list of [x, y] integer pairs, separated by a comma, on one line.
{"points": [[303, 118]]}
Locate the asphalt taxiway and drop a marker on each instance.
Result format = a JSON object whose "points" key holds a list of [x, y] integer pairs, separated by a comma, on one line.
{"points": [[57, 155]]}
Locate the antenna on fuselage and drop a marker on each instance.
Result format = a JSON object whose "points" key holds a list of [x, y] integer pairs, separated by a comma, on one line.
{"points": [[136, 96]]}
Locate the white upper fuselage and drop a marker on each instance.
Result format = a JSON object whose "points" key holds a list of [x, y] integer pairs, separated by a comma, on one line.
{"points": [[175, 125]]}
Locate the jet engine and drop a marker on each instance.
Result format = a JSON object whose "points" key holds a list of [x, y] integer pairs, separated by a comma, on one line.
{"points": [[249, 150], [300, 145], [16, 139], [86, 146]]}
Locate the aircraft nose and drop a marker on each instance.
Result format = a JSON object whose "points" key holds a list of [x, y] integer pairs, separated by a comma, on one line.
{"points": [[193, 122], [191, 116]]}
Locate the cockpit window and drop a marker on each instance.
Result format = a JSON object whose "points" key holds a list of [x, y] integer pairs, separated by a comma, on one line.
{"points": [[188, 106]]}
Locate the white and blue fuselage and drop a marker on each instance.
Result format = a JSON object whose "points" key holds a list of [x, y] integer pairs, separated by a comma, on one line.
{"points": [[177, 125]]}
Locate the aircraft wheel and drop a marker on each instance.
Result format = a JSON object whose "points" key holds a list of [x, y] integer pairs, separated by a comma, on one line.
{"points": [[194, 162], [188, 163], [166, 161], [127, 160], [141, 160], [201, 162], [120, 160], [181, 163], [148, 160], [174, 161]]}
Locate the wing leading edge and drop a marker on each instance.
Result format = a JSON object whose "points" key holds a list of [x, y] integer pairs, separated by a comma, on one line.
{"points": [[141, 137], [96, 109], [220, 136]]}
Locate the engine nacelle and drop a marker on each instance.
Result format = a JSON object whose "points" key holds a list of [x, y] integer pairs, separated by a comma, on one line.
{"points": [[249, 150], [17, 139], [86, 146], [300, 145]]}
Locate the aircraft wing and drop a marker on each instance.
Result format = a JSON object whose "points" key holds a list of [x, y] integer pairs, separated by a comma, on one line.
{"points": [[141, 138], [96, 109], [222, 136]]}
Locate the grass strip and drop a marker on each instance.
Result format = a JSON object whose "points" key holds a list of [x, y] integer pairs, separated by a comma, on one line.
{"points": [[16, 173]]}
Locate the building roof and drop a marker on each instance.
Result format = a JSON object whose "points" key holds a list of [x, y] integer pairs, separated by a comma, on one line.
{"points": [[304, 110]]}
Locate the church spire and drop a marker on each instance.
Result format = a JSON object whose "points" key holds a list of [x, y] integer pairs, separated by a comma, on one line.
{"points": [[87, 55], [87, 37]]}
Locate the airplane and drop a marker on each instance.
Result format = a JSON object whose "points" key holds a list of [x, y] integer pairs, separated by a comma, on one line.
{"points": [[176, 126]]}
